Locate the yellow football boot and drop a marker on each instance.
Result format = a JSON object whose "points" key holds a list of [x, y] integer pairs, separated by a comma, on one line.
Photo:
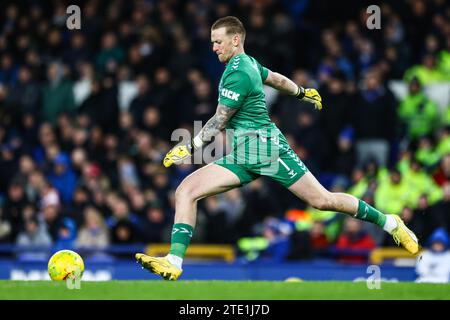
{"points": [[159, 265], [402, 235]]}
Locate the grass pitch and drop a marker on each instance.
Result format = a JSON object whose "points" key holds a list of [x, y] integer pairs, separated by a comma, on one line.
{"points": [[220, 290]]}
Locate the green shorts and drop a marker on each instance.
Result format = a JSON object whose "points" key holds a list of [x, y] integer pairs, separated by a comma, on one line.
{"points": [[258, 155]]}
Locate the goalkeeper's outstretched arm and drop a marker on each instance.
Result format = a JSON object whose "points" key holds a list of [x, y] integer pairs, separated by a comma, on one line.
{"points": [[281, 83], [287, 86], [214, 125]]}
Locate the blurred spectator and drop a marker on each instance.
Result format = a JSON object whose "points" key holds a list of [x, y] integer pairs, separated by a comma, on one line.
{"points": [[47, 138], [374, 105], [216, 225], [443, 143], [345, 159], [311, 139], [142, 100], [122, 215], [93, 233], [23, 98], [151, 123], [419, 182], [5, 228], [354, 244], [137, 200], [28, 132], [26, 167], [258, 205], [444, 57], [57, 94], [67, 233], [440, 211], [418, 114], [286, 110], [442, 175], [102, 104], [256, 39], [278, 235], [13, 206], [8, 71], [204, 104], [63, 178], [392, 194], [110, 55], [233, 204], [163, 97], [34, 235], [154, 223], [426, 153], [433, 265], [427, 72], [124, 232], [336, 119], [127, 173], [8, 165], [319, 240], [50, 209], [78, 51], [82, 88]]}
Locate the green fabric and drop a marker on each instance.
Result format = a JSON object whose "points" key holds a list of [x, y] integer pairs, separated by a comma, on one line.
{"points": [[419, 113], [331, 219], [334, 228], [424, 75], [241, 87], [444, 63], [403, 166], [181, 237], [359, 189], [250, 244], [320, 215], [251, 247], [368, 213], [392, 198], [303, 225], [106, 55], [420, 183], [443, 146], [57, 99], [445, 120], [427, 157], [382, 174], [263, 153]]}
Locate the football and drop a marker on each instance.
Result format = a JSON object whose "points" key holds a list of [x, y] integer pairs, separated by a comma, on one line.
{"points": [[65, 264]]}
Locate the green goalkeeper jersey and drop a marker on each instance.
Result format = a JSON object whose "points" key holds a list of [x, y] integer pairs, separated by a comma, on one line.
{"points": [[258, 147], [241, 87]]}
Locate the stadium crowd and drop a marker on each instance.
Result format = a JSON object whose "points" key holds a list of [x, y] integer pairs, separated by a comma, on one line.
{"points": [[87, 115]]}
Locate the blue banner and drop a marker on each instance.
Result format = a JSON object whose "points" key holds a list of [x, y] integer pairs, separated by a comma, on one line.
{"points": [[129, 270]]}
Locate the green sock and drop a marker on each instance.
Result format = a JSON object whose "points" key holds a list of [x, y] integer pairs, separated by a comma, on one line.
{"points": [[368, 213], [181, 236]]}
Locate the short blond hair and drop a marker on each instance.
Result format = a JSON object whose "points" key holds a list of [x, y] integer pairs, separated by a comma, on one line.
{"points": [[232, 25]]}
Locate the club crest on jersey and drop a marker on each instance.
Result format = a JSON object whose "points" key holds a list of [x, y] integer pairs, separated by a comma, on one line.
{"points": [[230, 94]]}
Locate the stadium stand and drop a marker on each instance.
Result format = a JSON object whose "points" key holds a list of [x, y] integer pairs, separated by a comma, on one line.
{"points": [[87, 115]]}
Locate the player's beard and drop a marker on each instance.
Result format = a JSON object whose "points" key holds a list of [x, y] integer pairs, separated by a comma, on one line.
{"points": [[222, 58], [225, 58]]}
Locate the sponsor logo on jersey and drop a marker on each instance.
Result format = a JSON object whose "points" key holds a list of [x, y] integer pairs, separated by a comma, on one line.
{"points": [[230, 94]]}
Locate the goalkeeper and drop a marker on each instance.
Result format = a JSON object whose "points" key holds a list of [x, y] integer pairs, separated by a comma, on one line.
{"points": [[258, 148]]}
